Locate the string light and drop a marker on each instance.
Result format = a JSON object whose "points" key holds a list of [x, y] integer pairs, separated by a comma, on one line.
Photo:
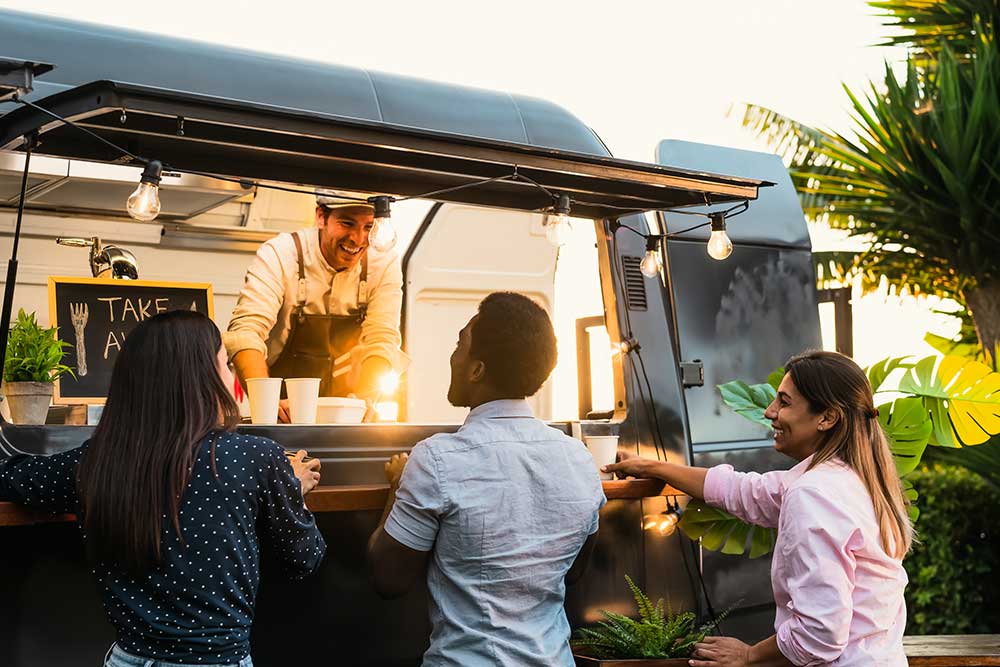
{"points": [[665, 523], [144, 203], [557, 228], [719, 245], [651, 264], [382, 236]]}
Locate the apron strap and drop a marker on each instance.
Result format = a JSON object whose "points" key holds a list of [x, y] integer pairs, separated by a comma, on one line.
{"points": [[300, 295], [363, 290]]}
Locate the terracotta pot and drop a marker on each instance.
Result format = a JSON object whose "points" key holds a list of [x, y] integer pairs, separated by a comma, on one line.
{"points": [[28, 401], [587, 661]]}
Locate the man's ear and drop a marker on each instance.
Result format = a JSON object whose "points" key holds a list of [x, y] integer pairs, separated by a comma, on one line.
{"points": [[320, 216], [477, 371]]}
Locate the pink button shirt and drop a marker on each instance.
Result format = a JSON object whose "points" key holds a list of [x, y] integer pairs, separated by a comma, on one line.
{"points": [[839, 596]]}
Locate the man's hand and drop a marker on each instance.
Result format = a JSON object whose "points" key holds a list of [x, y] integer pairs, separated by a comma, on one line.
{"points": [[628, 465], [720, 652], [284, 412], [394, 469], [306, 471]]}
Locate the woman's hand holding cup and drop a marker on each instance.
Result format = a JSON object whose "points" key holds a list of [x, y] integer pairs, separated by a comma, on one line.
{"points": [[628, 465]]}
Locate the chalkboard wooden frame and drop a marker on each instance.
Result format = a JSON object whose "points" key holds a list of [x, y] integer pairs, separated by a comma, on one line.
{"points": [[55, 281]]}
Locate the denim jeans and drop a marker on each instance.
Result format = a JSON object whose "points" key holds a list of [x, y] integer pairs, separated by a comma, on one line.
{"points": [[119, 658]]}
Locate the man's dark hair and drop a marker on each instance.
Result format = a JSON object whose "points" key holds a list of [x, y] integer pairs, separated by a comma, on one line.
{"points": [[513, 337]]}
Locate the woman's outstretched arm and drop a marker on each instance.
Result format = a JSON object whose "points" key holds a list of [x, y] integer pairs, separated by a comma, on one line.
{"points": [[689, 479]]}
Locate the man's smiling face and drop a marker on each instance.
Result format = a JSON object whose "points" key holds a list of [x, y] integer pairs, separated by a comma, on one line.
{"points": [[343, 234]]}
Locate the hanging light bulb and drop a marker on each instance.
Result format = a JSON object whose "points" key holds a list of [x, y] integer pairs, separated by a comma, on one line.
{"points": [[557, 229], [664, 524], [382, 236], [651, 264], [144, 203], [719, 245]]}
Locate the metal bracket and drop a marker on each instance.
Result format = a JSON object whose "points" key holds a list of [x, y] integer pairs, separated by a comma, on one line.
{"points": [[17, 77], [693, 373]]}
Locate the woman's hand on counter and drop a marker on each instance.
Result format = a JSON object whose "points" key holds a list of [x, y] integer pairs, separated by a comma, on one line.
{"points": [[284, 412], [306, 471]]}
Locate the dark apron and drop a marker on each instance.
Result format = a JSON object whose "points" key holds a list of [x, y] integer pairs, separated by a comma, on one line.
{"points": [[320, 345]]}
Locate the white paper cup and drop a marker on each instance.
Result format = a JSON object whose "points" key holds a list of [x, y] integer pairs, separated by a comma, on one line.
{"points": [[303, 394], [264, 396], [604, 449]]}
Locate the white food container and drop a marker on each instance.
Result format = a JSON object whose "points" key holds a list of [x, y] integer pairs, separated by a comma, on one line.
{"points": [[339, 410]]}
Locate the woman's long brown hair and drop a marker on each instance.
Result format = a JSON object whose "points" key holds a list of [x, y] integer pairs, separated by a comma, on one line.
{"points": [[831, 381], [165, 398]]}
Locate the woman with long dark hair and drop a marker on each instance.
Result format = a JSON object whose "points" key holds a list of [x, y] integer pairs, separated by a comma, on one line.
{"points": [[842, 523], [173, 502]]}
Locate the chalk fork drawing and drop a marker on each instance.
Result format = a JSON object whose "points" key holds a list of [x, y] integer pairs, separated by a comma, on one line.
{"points": [[79, 313]]}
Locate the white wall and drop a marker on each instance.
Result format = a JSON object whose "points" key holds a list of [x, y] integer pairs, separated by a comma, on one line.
{"points": [[39, 257]]}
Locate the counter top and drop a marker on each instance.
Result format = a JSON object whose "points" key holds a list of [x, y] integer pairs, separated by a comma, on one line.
{"points": [[351, 498]]}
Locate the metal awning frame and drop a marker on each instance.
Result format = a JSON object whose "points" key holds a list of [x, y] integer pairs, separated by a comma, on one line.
{"points": [[235, 139]]}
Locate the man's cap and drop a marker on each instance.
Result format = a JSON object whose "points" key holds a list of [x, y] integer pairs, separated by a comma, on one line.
{"points": [[341, 198]]}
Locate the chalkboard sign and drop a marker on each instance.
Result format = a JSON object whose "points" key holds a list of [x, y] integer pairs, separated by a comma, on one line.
{"points": [[94, 315]]}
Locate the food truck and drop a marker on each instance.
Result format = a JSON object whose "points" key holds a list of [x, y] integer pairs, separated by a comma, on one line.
{"points": [[245, 138]]}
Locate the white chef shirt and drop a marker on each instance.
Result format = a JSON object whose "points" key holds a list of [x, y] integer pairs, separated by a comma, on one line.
{"points": [[262, 318]]}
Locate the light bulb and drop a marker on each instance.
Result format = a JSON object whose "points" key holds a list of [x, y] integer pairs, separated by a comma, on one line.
{"points": [[144, 203], [668, 524], [651, 264], [557, 229], [382, 236], [719, 245]]}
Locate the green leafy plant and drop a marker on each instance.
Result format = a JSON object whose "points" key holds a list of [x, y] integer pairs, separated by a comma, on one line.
{"points": [[34, 354], [657, 633], [953, 588], [918, 176]]}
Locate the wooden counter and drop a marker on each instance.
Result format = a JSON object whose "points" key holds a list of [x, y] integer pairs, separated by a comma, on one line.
{"points": [[352, 498], [952, 650]]}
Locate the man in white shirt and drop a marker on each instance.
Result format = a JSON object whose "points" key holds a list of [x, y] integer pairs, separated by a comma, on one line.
{"points": [[500, 515], [321, 303]]}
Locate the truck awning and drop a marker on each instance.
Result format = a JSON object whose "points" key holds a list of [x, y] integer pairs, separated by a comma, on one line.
{"points": [[247, 140]]}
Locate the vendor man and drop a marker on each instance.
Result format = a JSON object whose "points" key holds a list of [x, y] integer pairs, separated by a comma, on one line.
{"points": [[319, 302]]}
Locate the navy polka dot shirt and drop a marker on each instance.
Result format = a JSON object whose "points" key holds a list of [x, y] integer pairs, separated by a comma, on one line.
{"points": [[196, 606]]}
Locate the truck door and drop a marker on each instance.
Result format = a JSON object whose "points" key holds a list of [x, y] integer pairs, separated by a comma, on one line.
{"points": [[742, 318]]}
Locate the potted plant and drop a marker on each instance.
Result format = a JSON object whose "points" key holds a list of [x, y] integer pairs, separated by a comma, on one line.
{"points": [[657, 639], [33, 363]]}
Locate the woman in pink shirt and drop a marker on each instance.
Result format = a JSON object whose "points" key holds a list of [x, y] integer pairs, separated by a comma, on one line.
{"points": [[842, 523]]}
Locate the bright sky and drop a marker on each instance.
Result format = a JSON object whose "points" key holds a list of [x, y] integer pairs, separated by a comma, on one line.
{"points": [[635, 71]]}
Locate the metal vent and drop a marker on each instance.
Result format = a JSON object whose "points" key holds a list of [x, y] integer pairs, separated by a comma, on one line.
{"points": [[635, 283]]}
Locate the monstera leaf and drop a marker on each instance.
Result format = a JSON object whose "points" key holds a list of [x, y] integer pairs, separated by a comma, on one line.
{"points": [[748, 400], [721, 530], [962, 397], [878, 372], [908, 428]]}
